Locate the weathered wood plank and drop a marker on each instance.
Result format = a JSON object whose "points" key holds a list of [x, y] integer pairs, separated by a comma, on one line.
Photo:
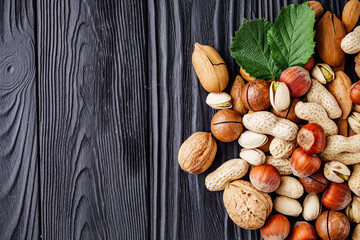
{"points": [[93, 129], [181, 207], [19, 202]]}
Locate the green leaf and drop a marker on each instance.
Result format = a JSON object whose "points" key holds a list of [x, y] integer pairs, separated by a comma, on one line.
{"points": [[251, 50], [291, 37]]}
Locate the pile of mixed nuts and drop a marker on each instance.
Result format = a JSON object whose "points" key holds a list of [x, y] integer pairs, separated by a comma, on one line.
{"points": [[307, 125]]}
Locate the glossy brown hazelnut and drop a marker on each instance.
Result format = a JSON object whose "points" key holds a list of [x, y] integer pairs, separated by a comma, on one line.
{"points": [[303, 231], [310, 64], [337, 196], [288, 113], [311, 138], [332, 225], [265, 178], [297, 79], [255, 95], [355, 93], [276, 227], [315, 183], [303, 164], [226, 125]]}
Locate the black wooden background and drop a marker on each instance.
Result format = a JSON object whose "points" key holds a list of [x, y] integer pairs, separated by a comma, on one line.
{"points": [[96, 97]]}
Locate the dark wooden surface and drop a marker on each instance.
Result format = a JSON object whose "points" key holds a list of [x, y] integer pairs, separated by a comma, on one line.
{"points": [[96, 98]]}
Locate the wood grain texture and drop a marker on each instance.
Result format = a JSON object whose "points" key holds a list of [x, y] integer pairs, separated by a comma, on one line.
{"points": [[93, 129], [19, 202], [180, 205]]}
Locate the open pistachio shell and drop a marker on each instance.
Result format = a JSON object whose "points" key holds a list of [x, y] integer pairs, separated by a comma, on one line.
{"points": [[354, 122], [279, 96], [219, 100], [253, 156], [323, 73], [336, 172], [249, 139], [353, 210]]}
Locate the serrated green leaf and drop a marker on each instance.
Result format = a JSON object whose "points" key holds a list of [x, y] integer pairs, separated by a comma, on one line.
{"points": [[251, 50], [291, 37]]}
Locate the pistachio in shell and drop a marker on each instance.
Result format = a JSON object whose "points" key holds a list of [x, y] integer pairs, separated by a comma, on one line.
{"points": [[219, 100], [250, 139], [279, 96], [323, 73]]}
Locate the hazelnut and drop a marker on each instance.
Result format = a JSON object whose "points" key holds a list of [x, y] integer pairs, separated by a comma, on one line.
{"points": [[337, 196], [297, 79], [276, 227], [255, 95], [315, 183], [303, 164], [303, 231], [288, 113], [332, 225], [355, 93], [310, 64], [197, 153], [226, 125], [311, 138], [265, 178]]}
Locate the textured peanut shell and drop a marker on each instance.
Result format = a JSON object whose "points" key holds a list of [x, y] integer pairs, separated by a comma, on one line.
{"points": [[197, 153], [337, 144], [350, 14], [340, 89], [281, 164], [345, 157], [235, 94], [210, 68], [267, 123], [319, 94], [290, 187], [329, 33], [354, 180], [246, 206], [356, 234], [230, 170], [281, 149], [315, 113]]}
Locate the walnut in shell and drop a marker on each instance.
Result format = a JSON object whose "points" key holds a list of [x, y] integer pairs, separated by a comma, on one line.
{"points": [[197, 153], [246, 206]]}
